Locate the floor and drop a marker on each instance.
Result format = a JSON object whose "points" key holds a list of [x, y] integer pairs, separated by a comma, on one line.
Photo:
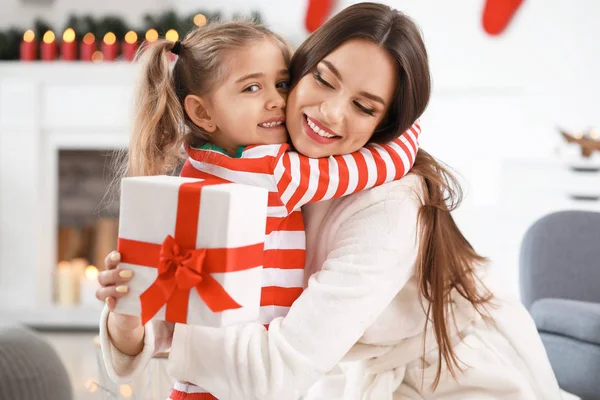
{"points": [[80, 354]]}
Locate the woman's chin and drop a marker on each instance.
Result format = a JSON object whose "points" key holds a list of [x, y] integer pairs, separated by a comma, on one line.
{"points": [[309, 149]]}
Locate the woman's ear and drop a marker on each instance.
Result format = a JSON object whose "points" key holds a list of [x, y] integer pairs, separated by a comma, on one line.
{"points": [[195, 107]]}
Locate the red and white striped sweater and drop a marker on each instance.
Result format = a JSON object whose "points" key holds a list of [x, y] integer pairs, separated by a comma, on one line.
{"points": [[294, 180]]}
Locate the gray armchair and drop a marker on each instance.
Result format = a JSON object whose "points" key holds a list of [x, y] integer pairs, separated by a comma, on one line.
{"points": [[560, 286]]}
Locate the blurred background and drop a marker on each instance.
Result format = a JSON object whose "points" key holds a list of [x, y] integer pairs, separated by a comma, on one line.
{"points": [[514, 111]]}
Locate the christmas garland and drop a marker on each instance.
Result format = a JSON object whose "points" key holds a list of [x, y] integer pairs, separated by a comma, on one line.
{"points": [[10, 39]]}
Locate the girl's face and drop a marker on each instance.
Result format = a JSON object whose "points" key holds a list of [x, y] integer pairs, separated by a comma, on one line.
{"points": [[249, 106], [336, 108]]}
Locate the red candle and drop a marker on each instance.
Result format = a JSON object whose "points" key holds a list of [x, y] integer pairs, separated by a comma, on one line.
{"points": [[48, 48], [129, 46], [109, 47], [29, 45], [68, 47], [88, 47]]}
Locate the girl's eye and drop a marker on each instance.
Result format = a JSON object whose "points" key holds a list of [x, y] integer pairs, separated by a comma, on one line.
{"points": [[252, 88], [283, 85], [364, 109], [319, 78]]}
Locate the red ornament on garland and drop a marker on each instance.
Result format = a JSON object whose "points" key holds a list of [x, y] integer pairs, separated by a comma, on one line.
{"points": [[317, 13], [498, 13]]}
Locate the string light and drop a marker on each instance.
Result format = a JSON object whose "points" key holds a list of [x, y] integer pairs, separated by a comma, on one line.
{"points": [[97, 57], [91, 386], [125, 390]]}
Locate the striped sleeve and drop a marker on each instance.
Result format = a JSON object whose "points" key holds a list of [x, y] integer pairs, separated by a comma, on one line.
{"points": [[254, 168], [302, 180]]}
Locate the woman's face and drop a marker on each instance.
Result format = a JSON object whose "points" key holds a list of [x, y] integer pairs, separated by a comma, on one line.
{"points": [[335, 108]]}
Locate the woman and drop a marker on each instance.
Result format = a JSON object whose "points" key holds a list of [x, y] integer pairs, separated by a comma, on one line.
{"points": [[398, 304]]}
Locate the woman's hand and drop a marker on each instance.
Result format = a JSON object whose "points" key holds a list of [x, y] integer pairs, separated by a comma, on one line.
{"points": [[125, 331]]}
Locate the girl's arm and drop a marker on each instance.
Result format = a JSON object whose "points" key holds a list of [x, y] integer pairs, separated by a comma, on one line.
{"points": [[372, 256], [301, 180]]}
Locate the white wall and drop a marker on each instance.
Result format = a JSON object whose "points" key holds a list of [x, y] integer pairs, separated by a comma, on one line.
{"points": [[495, 98]]}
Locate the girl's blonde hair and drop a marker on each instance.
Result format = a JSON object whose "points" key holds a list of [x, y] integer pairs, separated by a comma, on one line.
{"points": [[161, 125]]}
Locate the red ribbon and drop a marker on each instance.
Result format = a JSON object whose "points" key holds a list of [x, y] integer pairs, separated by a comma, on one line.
{"points": [[182, 267]]}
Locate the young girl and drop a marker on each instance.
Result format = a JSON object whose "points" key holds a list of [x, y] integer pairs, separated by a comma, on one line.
{"points": [[229, 85]]}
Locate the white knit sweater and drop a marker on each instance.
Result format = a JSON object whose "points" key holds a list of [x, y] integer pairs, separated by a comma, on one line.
{"points": [[357, 330]]}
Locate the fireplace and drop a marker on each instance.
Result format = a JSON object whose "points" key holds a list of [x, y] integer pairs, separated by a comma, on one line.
{"points": [[87, 218], [58, 124]]}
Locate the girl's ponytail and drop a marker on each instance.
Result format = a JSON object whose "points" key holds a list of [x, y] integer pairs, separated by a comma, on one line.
{"points": [[155, 143]]}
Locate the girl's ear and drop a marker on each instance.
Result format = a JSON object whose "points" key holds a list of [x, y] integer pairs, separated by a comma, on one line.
{"points": [[195, 107]]}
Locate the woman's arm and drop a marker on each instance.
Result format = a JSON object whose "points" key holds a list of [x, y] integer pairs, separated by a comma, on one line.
{"points": [[122, 367], [371, 257]]}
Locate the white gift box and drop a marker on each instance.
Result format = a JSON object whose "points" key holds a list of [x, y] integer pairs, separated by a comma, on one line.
{"points": [[231, 220]]}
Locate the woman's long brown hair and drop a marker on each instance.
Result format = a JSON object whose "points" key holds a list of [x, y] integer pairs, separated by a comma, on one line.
{"points": [[446, 261]]}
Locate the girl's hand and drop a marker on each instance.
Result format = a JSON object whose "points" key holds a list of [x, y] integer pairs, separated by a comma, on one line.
{"points": [[113, 285]]}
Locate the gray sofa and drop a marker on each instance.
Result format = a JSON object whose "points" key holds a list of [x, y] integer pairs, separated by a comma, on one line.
{"points": [[30, 368], [560, 286]]}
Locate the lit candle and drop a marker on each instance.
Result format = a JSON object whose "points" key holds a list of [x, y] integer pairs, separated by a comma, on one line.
{"points": [[89, 285], [48, 49], [172, 36], [78, 265], [199, 20], [130, 46], [109, 47], [28, 51], [68, 47], [67, 288], [151, 35], [88, 47]]}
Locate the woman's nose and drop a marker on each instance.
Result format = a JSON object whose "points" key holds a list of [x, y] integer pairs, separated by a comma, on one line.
{"points": [[332, 112]]}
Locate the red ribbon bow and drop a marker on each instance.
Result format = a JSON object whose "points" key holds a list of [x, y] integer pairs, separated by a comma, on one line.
{"points": [[178, 272], [182, 267]]}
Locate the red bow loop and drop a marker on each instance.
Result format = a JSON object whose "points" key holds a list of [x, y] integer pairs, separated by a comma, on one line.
{"points": [[184, 266]]}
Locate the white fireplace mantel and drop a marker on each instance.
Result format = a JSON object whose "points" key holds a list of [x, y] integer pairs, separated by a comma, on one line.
{"points": [[45, 108]]}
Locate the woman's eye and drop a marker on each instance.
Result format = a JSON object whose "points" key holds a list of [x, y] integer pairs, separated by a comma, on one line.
{"points": [[364, 109], [283, 85], [319, 78], [252, 88]]}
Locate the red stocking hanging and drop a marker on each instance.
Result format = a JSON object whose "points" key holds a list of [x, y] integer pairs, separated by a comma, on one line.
{"points": [[318, 11], [498, 13]]}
